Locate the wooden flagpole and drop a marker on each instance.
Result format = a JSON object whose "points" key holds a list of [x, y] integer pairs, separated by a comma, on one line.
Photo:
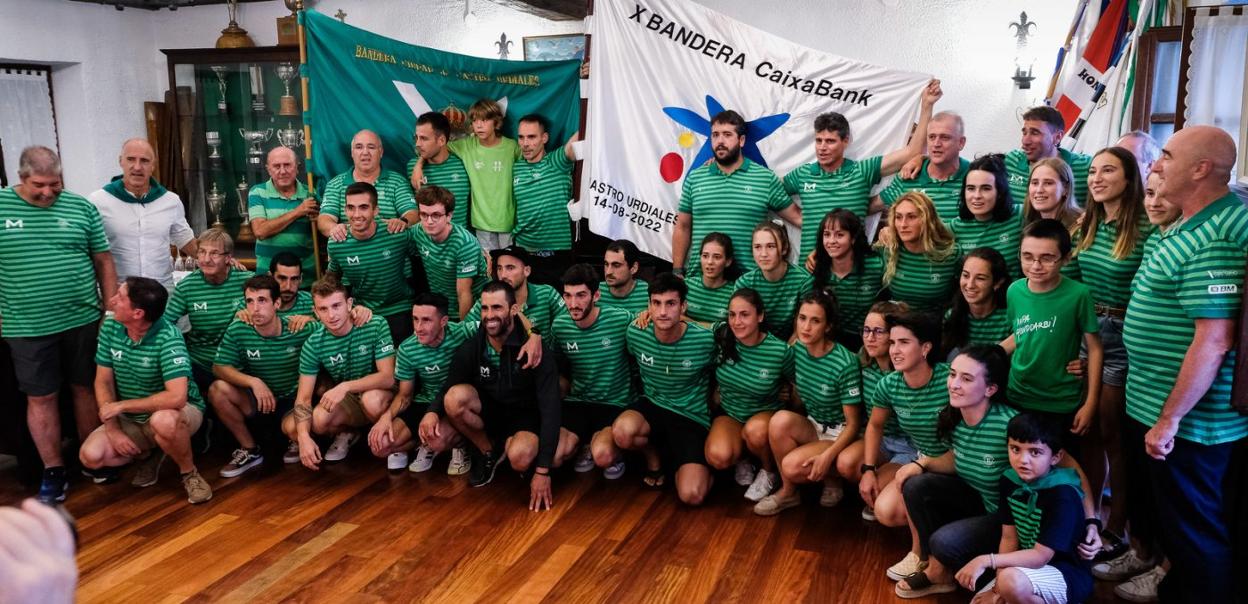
{"points": [[1070, 36], [307, 129]]}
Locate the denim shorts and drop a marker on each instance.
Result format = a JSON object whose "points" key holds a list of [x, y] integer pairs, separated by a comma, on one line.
{"points": [[1114, 366], [898, 450]]}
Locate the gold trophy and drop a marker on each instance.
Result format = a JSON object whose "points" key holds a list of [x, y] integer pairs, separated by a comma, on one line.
{"points": [[288, 105], [215, 199], [234, 36], [244, 226]]}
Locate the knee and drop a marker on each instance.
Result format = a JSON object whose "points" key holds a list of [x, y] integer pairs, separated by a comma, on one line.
{"points": [[845, 467], [1012, 584], [623, 436], [165, 422], [890, 511], [603, 456], [691, 494], [782, 424], [219, 393], [791, 468], [755, 434], [91, 455], [521, 455], [457, 399], [719, 456], [322, 421]]}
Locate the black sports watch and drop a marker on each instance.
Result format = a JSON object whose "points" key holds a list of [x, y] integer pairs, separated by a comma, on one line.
{"points": [[866, 467]]}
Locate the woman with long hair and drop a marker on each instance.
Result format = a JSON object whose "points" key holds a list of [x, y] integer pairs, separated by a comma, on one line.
{"points": [[1051, 193], [712, 283], [829, 385], [778, 282], [986, 215], [978, 312], [752, 367], [920, 257], [846, 266]]}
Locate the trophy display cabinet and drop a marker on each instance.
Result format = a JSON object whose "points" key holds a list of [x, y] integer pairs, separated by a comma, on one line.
{"points": [[230, 107]]}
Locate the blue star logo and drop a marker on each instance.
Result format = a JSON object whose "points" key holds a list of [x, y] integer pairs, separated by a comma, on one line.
{"points": [[755, 130]]}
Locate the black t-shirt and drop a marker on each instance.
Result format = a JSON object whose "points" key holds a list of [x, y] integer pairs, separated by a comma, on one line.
{"points": [[1057, 523]]}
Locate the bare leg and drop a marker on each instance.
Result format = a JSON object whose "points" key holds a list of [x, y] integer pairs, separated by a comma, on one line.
{"points": [[602, 446], [754, 433], [173, 436], [723, 443], [693, 482], [44, 420], [463, 409], [521, 450], [86, 410], [233, 406]]}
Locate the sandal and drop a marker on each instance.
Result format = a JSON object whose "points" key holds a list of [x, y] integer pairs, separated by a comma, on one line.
{"points": [[918, 585], [654, 479]]}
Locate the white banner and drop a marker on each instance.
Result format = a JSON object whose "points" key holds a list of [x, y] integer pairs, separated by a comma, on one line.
{"points": [[660, 69]]}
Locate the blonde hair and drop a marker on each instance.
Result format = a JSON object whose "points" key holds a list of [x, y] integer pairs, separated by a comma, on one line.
{"points": [[936, 239], [1067, 211], [779, 233], [217, 236]]}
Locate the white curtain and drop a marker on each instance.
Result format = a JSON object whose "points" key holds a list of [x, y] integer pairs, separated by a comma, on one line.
{"points": [[1215, 78], [26, 117]]}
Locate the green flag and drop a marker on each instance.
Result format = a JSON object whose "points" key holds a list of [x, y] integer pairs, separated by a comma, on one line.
{"points": [[358, 79]]}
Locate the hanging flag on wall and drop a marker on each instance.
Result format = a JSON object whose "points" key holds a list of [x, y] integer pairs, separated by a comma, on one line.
{"points": [[1089, 63]]}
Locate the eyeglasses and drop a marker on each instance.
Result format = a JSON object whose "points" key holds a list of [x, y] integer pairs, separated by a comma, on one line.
{"points": [[878, 332], [432, 216], [210, 254], [1045, 260]]}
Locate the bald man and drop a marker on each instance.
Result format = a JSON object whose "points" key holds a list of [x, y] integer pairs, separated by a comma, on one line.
{"points": [[281, 213], [142, 218], [395, 204], [1180, 337]]}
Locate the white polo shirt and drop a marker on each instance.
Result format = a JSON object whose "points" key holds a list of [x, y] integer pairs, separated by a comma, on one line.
{"points": [[140, 234]]}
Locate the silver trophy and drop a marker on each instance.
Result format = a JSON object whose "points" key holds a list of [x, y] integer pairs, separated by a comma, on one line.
{"points": [[255, 154], [215, 199], [213, 140], [257, 89], [287, 104], [244, 227], [220, 70], [290, 137]]}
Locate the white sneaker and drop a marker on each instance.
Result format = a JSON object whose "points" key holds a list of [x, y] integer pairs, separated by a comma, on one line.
{"points": [[342, 443], [423, 460], [614, 471], [584, 461], [763, 485], [907, 566], [292, 453], [1121, 568], [868, 514], [746, 473], [1141, 588], [832, 494], [396, 461], [460, 462]]}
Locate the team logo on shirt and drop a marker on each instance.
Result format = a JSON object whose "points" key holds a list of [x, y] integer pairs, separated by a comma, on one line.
{"points": [[572, 346], [763, 373], [935, 278], [176, 361], [199, 306], [353, 259], [606, 342], [807, 187], [854, 391], [13, 224], [116, 354], [1003, 238], [478, 164], [990, 461], [748, 189], [686, 363], [253, 354], [385, 254], [1228, 288], [363, 348], [434, 369], [61, 222], [336, 359], [387, 348], [485, 372], [645, 358]]}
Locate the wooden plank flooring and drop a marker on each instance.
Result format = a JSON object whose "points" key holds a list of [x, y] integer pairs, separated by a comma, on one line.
{"points": [[354, 533]]}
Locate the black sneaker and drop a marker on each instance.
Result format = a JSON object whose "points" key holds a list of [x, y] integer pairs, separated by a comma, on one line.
{"points": [[1112, 546], [52, 488], [104, 475], [483, 467]]}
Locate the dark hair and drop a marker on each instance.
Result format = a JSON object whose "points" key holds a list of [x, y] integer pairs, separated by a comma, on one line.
{"points": [[924, 326], [826, 300], [147, 295], [848, 221], [437, 121], [581, 274], [263, 282], [499, 285], [731, 270], [993, 164], [996, 365], [328, 286], [1130, 208], [958, 326], [432, 195], [1048, 115], [1027, 427], [356, 188], [832, 122], [725, 340], [434, 299], [285, 259], [534, 118], [632, 255], [667, 282], [1049, 228], [731, 118]]}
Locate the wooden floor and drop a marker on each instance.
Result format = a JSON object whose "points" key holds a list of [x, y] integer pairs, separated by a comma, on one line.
{"points": [[354, 533]]}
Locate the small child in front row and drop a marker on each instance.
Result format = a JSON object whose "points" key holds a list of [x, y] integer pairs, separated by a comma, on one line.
{"points": [[1042, 524]]}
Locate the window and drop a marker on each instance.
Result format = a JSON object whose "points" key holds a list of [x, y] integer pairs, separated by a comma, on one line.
{"points": [[1156, 91], [28, 117]]}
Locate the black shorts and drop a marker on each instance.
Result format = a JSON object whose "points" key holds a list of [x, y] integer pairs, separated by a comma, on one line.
{"points": [[502, 421], [412, 415], [586, 419], [44, 363], [284, 405], [678, 439]]}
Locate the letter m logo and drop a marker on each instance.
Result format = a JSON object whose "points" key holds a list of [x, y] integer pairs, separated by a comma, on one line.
{"points": [[647, 359], [334, 360], [199, 306], [12, 224], [573, 346], [116, 354], [353, 259], [253, 354]]}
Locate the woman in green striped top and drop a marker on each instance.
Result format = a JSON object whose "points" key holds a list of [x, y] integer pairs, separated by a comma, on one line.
{"points": [[713, 282], [779, 283], [753, 365], [828, 384], [920, 258], [845, 266], [986, 216], [1051, 193], [978, 312]]}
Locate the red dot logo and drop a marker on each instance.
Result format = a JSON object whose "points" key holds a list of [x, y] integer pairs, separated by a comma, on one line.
{"points": [[671, 166]]}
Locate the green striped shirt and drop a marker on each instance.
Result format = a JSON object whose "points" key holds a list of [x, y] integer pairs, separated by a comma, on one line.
{"points": [[47, 276], [855, 293], [489, 177], [731, 204], [449, 175], [923, 284], [140, 369], [542, 191], [1048, 329], [457, 257], [981, 454], [376, 269], [1005, 237], [274, 360], [871, 376], [945, 193], [1195, 272], [348, 357], [302, 306], [916, 408], [265, 202], [635, 302], [1019, 170], [541, 307], [991, 329], [827, 384], [706, 304], [676, 376], [1109, 278], [751, 384], [209, 307], [598, 356], [849, 187], [394, 195], [1150, 245], [429, 365], [779, 297]]}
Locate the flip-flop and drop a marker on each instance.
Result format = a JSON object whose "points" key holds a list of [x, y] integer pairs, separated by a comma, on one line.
{"points": [[921, 586], [654, 479]]}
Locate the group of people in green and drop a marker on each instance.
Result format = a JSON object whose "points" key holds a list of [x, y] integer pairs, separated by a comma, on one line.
{"points": [[1024, 330]]}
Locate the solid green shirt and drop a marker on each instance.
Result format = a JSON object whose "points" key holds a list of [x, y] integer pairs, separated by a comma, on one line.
{"points": [[490, 178], [676, 376], [751, 383], [542, 190], [394, 195], [456, 257], [429, 365], [945, 193], [265, 202], [1048, 329], [779, 297], [376, 269], [827, 384], [848, 187], [140, 369], [450, 175], [347, 357], [597, 356], [1005, 236], [1109, 278], [274, 360], [635, 302], [732, 204], [981, 454], [924, 284], [1019, 170], [916, 409], [210, 308]]}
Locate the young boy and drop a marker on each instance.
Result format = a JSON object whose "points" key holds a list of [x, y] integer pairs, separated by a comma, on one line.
{"points": [[488, 158], [1041, 511], [1050, 314]]}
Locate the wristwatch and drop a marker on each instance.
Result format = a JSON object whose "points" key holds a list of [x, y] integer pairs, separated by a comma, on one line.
{"points": [[866, 467], [679, 271]]}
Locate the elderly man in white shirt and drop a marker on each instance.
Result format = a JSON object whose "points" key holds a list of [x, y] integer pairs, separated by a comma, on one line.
{"points": [[142, 218]]}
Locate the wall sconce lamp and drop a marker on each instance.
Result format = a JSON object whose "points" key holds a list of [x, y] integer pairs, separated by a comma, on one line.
{"points": [[1023, 61]]}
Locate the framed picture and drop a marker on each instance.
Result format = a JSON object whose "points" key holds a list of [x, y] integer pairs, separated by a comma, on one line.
{"points": [[560, 47]]}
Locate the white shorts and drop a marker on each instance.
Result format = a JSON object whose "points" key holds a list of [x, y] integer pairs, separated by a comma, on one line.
{"points": [[1046, 582], [491, 241], [826, 431]]}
